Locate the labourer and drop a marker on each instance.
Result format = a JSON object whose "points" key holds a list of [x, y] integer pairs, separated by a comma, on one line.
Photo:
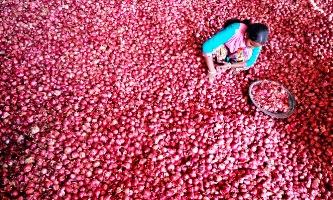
{"points": [[236, 46]]}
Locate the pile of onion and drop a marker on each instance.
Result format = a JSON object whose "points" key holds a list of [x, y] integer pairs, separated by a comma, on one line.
{"points": [[271, 96], [110, 100]]}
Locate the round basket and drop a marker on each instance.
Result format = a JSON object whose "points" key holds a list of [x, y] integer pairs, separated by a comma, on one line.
{"points": [[291, 101]]}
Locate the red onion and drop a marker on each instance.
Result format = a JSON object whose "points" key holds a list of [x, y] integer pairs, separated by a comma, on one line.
{"points": [[271, 97], [114, 102]]}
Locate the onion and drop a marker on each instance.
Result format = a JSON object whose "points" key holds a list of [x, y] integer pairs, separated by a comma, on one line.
{"points": [[271, 97], [110, 100]]}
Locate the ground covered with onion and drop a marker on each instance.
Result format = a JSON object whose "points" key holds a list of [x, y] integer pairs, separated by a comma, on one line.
{"points": [[107, 100]]}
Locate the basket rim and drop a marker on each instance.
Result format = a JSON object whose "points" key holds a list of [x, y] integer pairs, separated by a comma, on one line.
{"points": [[291, 100]]}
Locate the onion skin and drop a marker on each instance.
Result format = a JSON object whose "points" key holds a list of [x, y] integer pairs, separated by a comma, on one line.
{"points": [[110, 100]]}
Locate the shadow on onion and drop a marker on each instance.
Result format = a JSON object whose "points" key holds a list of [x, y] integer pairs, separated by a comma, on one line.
{"points": [[272, 98]]}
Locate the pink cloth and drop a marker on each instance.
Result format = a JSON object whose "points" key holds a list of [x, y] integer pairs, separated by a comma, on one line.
{"points": [[237, 46]]}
